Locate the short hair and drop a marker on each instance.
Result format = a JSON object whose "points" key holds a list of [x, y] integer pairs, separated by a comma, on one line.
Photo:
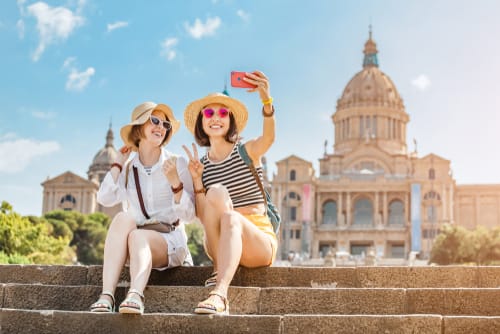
{"points": [[136, 134], [201, 136]]}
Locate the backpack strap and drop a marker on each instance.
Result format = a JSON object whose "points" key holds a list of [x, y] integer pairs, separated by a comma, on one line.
{"points": [[248, 161]]}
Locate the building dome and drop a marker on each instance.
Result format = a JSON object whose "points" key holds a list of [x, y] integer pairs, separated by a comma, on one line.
{"points": [[370, 110], [370, 85], [103, 159]]}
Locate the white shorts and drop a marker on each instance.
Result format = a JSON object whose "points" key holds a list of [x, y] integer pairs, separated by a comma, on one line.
{"points": [[178, 251]]}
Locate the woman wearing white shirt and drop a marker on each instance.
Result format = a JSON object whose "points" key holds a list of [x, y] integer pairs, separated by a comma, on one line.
{"points": [[157, 191]]}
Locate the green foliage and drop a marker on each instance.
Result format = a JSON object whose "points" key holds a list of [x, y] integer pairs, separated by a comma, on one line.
{"points": [[88, 232], [195, 236], [457, 245], [22, 240], [66, 237]]}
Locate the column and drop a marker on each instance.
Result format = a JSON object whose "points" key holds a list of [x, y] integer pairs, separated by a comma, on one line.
{"points": [[348, 209], [407, 208], [384, 209], [339, 208], [375, 213]]}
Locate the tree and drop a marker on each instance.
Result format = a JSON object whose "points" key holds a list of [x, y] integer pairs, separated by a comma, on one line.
{"points": [[195, 236], [21, 240], [450, 246]]}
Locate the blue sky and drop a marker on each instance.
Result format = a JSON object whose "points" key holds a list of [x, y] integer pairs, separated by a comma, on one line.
{"points": [[69, 67]]}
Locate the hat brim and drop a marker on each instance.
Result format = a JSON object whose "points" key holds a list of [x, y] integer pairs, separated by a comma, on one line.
{"points": [[125, 130], [237, 108]]}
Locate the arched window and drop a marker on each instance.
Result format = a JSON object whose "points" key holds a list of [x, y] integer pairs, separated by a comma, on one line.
{"points": [[293, 196], [68, 202], [432, 195], [363, 212], [292, 175], [396, 213], [330, 212], [432, 174]]}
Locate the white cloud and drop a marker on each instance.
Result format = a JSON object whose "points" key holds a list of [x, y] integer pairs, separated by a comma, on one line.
{"points": [[243, 15], [116, 25], [53, 24], [167, 48], [17, 154], [199, 30], [68, 62], [77, 81], [20, 28], [43, 114], [422, 82]]}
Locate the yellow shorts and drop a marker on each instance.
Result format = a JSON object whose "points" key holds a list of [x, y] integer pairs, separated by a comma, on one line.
{"points": [[264, 224]]}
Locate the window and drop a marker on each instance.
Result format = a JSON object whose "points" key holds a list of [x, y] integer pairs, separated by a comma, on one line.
{"points": [[330, 213], [297, 234], [360, 249], [292, 175], [293, 213], [68, 202], [432, 195], [396, 213], [431, 213], [398, 251], [363, 212], [432, 174]]}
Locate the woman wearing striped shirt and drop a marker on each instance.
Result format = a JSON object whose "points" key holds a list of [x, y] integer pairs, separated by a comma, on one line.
{"points": [[229, 202]]}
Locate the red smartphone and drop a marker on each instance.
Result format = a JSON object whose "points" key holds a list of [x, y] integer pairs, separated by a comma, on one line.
{"points": [[237, 80]]}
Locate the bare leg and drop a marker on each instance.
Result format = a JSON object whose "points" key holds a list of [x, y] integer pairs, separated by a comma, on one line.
{"points": [[116, 250], [147, 249], [235, 239]]}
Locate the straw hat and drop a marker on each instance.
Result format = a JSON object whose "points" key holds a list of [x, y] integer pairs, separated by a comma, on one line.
{"points": [[141, 115], [237, 108]]}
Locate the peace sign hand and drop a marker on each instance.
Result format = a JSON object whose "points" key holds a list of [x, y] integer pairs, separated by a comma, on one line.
{"points": [[195, 166]]}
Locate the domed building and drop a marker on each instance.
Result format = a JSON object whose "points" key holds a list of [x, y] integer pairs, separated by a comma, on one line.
{"points": [[69, 191], [372, 196]]}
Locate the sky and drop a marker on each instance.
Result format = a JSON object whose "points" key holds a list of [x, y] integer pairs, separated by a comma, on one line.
{"points": [[71, 68]]}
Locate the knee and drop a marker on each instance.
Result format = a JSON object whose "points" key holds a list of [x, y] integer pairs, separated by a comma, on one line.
{"points": [[122, 220], [217, 194], [134, 237], [231, 221]]}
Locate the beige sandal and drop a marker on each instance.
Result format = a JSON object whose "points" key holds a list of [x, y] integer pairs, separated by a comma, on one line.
{"points": [[103, 305], [132, 305], [211, 280], [208, 306]]}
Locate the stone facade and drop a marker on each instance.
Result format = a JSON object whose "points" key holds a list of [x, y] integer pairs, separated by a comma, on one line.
{"points": [[372, 195], [69, 191]]}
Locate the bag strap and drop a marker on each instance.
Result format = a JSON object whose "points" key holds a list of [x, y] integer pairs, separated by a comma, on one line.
{"points": [[139, 193], [248, 161]]}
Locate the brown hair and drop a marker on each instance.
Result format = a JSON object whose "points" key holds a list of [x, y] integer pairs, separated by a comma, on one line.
{"points": [[201, 136], [136, 134]]}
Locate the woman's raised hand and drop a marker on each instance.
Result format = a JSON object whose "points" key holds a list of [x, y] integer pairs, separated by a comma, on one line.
{"points": [[259, 79], [170, 170], [123, 154], [195, 166]]}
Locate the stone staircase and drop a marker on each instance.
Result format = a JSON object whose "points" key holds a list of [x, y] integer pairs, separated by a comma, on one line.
{"points": [[55, 299]]}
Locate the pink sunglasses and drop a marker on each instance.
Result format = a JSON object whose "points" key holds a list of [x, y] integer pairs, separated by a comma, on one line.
{"points": [[209, 112]]}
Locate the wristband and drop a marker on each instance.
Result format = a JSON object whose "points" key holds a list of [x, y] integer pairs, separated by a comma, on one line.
{"points": [[117, 165], [271, 114], [200, 191], [178, 188], [268, 101]]}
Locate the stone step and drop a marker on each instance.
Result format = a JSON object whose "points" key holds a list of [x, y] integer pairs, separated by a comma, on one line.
{"points": [[45, 322], [352, 277], [270, 301]]}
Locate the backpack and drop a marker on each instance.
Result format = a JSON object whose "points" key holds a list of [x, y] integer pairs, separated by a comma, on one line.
{"points": [[271, 210]]}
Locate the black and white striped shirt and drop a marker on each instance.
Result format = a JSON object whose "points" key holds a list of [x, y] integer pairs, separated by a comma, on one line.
{"points": [[235, 175]]}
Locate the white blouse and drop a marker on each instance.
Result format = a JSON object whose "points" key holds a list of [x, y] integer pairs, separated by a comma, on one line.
{"points": [[156, 191]]}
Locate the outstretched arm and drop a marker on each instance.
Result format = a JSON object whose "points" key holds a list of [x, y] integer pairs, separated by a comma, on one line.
{"points": [[257, 147]]}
